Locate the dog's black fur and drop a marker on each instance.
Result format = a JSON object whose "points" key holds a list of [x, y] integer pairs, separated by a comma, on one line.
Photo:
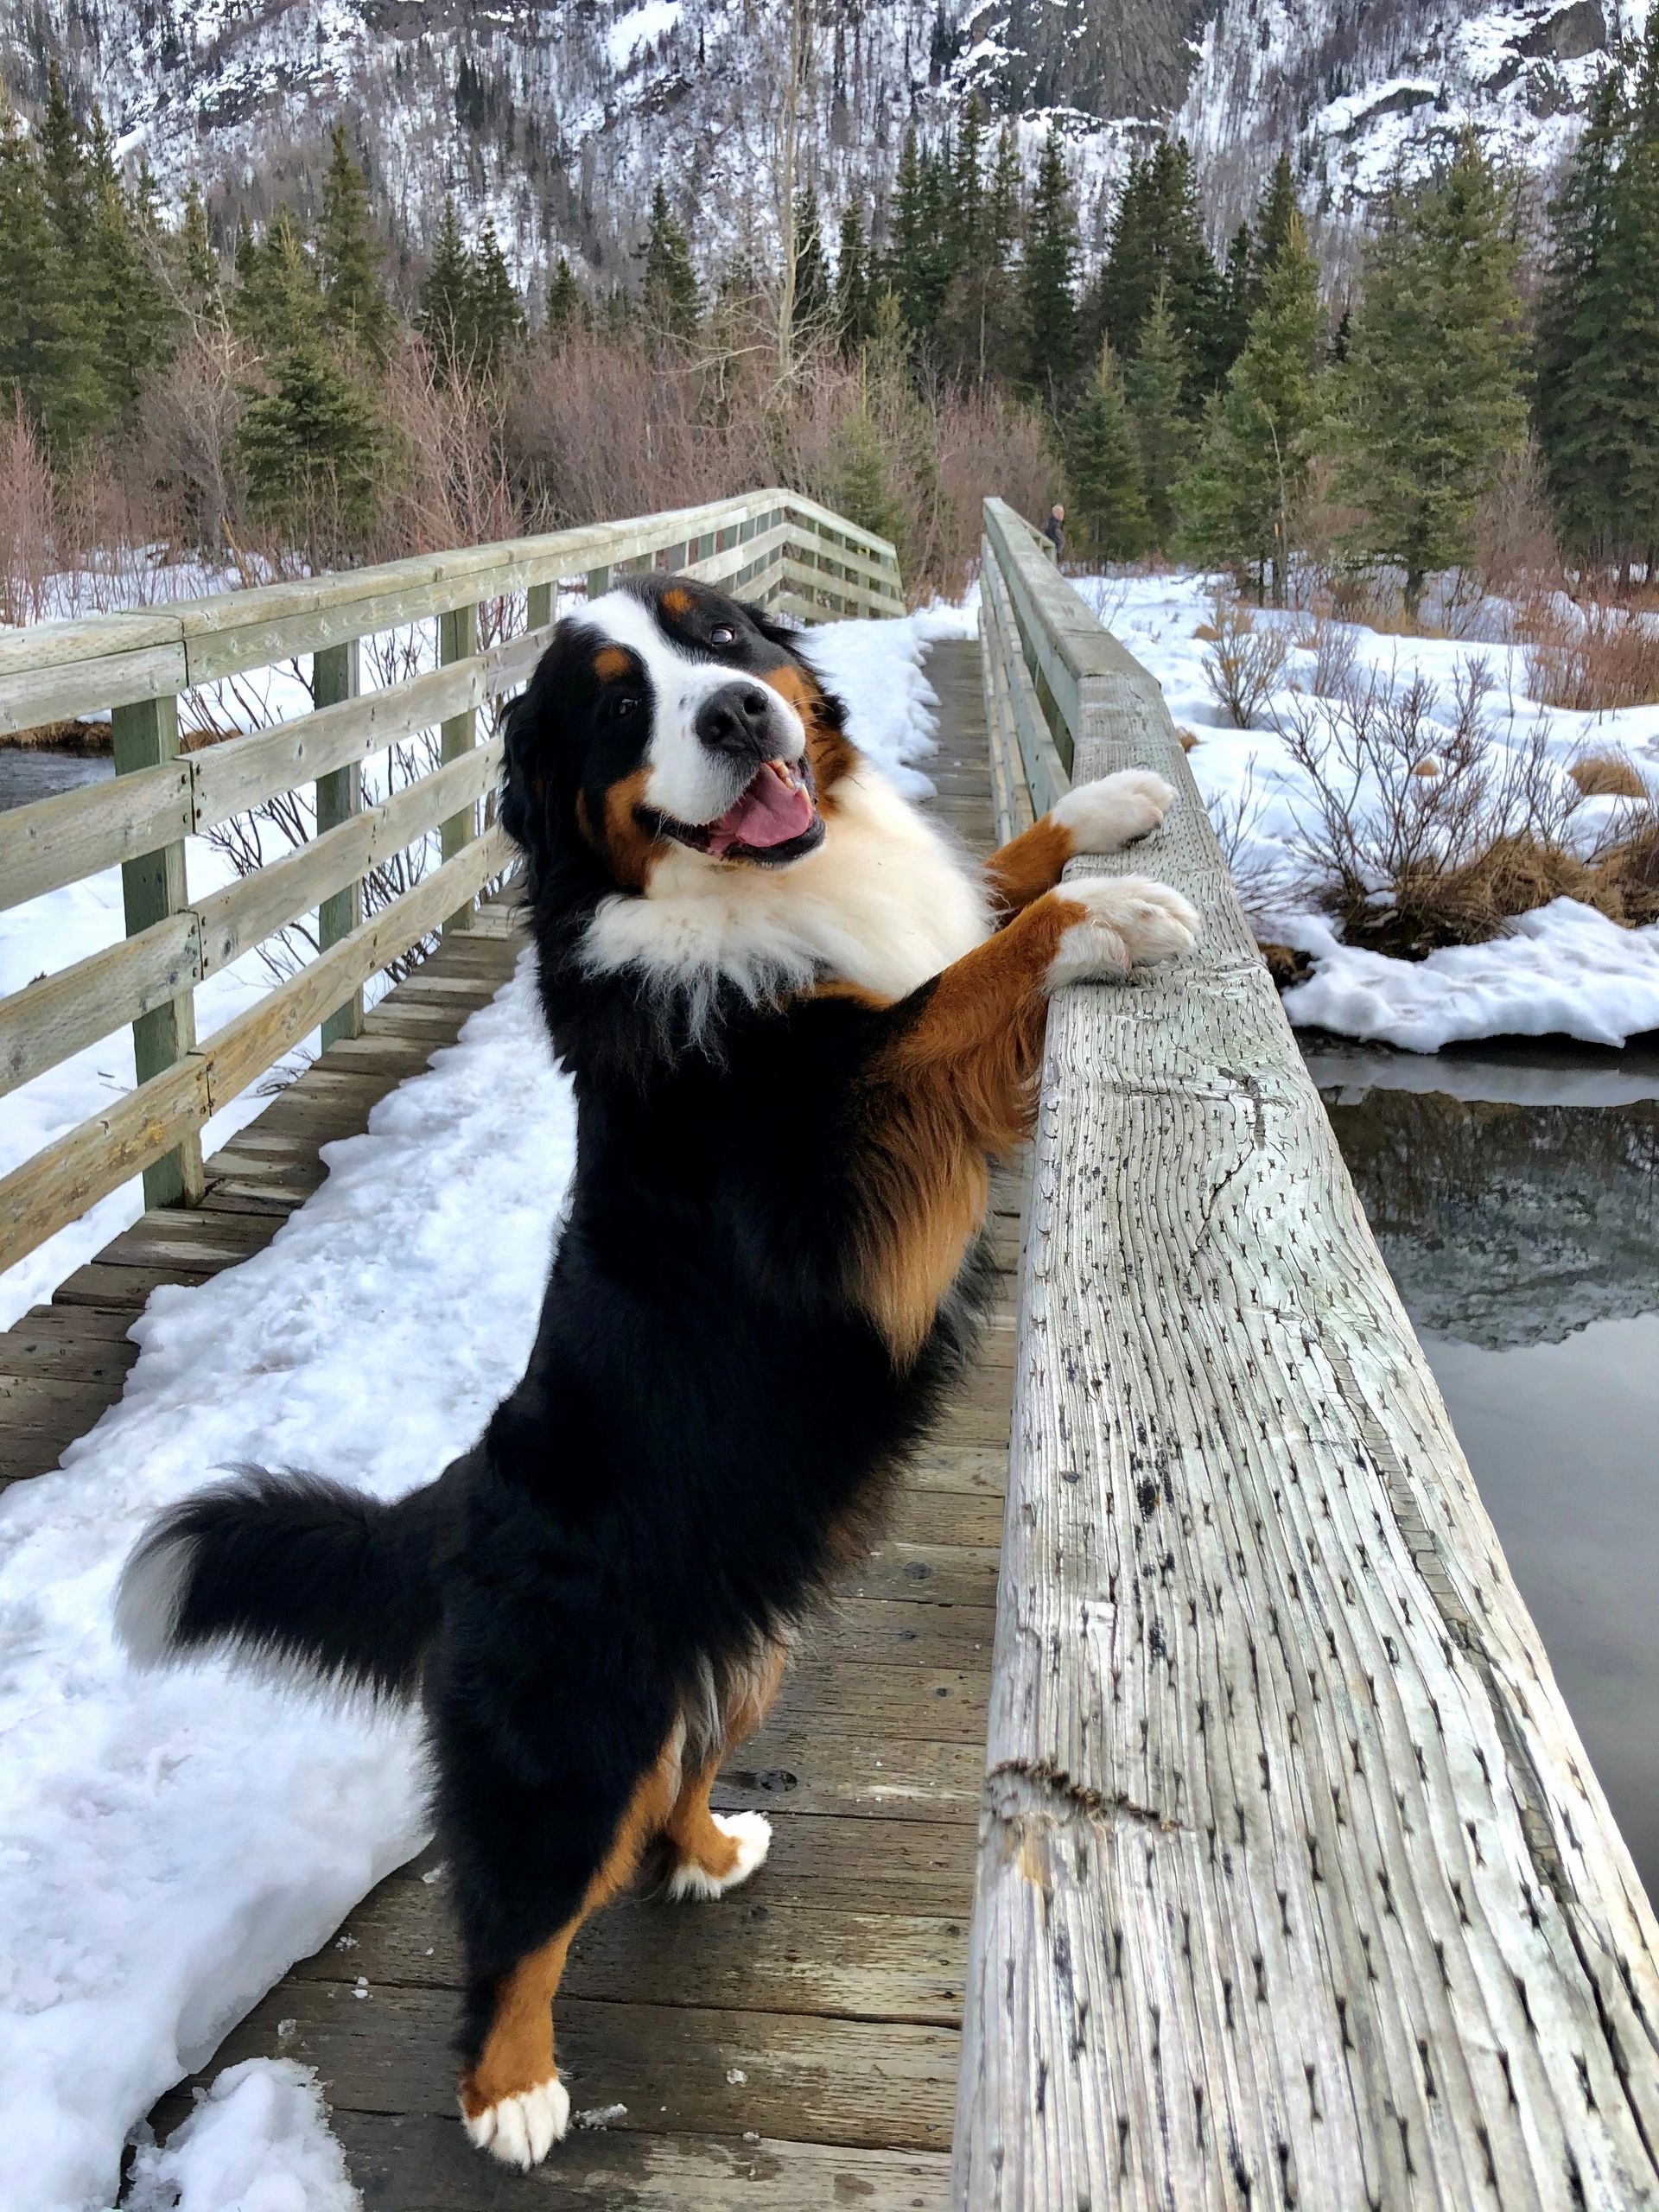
{"points": [[708, 1418]]}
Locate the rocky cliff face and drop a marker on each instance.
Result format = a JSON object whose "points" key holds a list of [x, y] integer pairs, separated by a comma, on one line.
{"points": [[557, 117]]}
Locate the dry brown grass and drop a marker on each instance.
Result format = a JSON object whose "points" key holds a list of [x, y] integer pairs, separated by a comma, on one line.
{"points": [[1606, 775], [82, 738], [1593, 659]]}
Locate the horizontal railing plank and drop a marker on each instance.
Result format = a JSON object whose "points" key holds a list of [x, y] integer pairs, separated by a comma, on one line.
{"points": [[52, 842], [244, 913], [1295, 1884], [60, 1014], [61, 1181], [1044, 772]]}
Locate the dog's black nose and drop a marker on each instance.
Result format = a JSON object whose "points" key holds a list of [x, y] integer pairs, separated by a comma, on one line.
{"points": [[736, 718]]}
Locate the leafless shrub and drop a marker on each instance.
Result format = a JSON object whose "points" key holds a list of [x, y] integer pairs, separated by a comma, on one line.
{"points": [[187, 425], [1260, 878], [1425, 832], [1593, 659], [1514, 543], [1244, 660], [27, 519], [1335, 648]]}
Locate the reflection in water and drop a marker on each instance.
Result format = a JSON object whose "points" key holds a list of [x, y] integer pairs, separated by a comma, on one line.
{"points": [[1524, 1238], [27, 774]]}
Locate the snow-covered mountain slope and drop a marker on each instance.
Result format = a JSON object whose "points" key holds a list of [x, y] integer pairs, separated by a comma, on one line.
{"points": [[557, 117]]}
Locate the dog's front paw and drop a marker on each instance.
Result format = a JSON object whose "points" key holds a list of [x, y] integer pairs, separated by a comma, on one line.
{"points": [[1112, 812], [1130, 922], [519, 2130], [749, 1836]]}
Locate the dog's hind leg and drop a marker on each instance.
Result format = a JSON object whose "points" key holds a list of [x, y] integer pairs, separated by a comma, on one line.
{"points": [[549, 1793], [710, 1852]]}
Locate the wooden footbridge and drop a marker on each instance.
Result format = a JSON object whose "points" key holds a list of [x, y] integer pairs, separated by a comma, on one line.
{"points": [[1177, 1809]]}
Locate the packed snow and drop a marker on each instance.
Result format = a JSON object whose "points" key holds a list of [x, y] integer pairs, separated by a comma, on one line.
{"points": [[169, 1845], [1562, 970], [258, 2141]]}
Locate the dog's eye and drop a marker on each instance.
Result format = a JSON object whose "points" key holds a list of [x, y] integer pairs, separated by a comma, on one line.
{"points": [[624, 703], [723, 635]]}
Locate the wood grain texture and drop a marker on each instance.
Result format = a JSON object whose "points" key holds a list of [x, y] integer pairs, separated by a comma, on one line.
{"points": [[1295, 1884]]}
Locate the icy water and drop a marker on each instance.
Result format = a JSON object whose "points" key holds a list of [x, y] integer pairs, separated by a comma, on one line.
{"points": [[1515, 1193], [26, 776]]}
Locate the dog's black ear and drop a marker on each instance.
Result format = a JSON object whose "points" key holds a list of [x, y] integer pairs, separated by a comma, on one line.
{"points": [[775, 633], [538, 807]]}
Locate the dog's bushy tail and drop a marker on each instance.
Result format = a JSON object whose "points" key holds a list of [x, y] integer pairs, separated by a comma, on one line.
{"points": [[289, 1570]]}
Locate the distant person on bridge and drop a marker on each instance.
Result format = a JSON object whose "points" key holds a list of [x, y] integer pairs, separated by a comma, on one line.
{"points": [[1054, 529]]}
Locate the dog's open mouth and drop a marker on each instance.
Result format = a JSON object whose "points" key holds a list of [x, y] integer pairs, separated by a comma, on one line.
{"points": [[775, 819]]}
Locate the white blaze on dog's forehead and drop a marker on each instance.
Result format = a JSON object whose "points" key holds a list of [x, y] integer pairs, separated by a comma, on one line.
{"points": [[685, 780]]}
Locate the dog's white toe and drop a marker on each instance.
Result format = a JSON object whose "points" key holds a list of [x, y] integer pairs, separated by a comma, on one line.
{"points": [[520, 2131], [1132, 921], [751, 1831], [1114, 810]]}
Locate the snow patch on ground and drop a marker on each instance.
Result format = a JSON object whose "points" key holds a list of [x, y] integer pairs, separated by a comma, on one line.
{"points": [[258, 2141], [170, 1844], [1562, 969]]}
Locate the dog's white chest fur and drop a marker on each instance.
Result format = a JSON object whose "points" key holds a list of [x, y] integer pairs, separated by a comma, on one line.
{"points": [[885, 902]]}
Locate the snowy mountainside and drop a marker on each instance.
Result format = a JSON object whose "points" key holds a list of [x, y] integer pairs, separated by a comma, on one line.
{"points": [[559, 117]]}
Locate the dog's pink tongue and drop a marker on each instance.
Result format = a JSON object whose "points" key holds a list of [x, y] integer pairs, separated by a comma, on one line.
{"points": [[770, 812]]}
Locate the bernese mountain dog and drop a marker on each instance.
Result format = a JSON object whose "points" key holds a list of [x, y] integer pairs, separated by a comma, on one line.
{"points": [[801, 1023]]}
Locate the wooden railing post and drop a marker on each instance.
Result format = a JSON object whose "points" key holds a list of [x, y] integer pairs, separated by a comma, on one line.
{"points": [[538, 606], [152, 887], [598, 582], [335, 675], [458, 640]]}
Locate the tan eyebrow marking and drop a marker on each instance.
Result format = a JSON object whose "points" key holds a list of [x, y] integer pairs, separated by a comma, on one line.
{"points": [[677, 601], [610, 662]]}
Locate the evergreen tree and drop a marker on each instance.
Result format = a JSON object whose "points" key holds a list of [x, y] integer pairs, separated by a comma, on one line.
{"points": [[1103, 469], [980, 313], [1154, 386], [918, 268], [128, 308], [1275, 220], [813, 301], [198, 263], [862, 489], [564, 301], [311, 447], [350, 255], [65, 173], [446, 296], [42, 341], [671, 301], [1240, 293], [1051, 314], [852, 302], [277, 305], [967, 197], [1157, 236], [1599, 323], [1431, 400], [494, 311], [1245, 496]]}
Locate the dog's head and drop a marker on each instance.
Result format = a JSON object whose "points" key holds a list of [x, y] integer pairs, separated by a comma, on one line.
{"points": [[666, 715]]}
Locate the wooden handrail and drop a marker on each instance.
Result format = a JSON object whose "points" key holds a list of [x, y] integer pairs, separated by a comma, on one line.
{"points": [[773, 544], [1295, 1884]]}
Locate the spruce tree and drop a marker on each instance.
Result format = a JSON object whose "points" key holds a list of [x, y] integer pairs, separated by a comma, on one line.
{"points": [[1245, 494], [349, 254], [918, 268], [42, 337], [1103, 469], [446, 296], [1050, 262], [311, 447], [127, 307], [277, 305], [812, 313], [1157, 236], [1432, 404], [198, 263], [1599, 323], [673, 303], [1271, 233], [565, 303], [852, 301], [494, 311], [1153, 386]]}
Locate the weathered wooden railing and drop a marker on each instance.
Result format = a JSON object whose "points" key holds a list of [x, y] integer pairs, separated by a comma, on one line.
{"points": [[771, 545], [1295, 1884]]}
